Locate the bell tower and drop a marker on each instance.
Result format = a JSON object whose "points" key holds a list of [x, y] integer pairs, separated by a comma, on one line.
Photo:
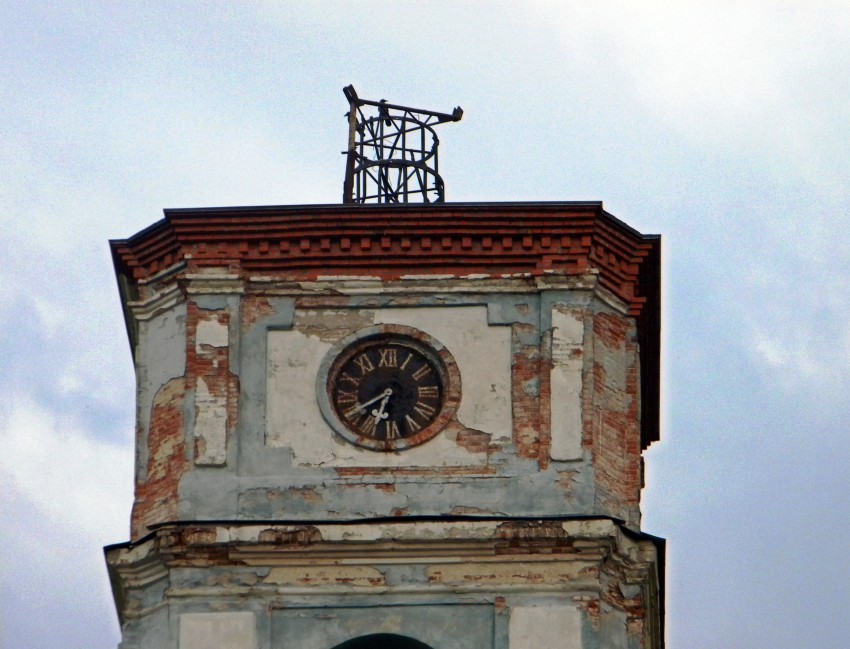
{"points": [[364, 426]]}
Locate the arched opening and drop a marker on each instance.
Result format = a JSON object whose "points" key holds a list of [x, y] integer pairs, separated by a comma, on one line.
{"points": [[382, 641]]}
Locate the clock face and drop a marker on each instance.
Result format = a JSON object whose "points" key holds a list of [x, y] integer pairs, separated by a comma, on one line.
{"points": [[388, 392]]}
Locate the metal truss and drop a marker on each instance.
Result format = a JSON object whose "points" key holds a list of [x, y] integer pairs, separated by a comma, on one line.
{"points": [[392, 152]]}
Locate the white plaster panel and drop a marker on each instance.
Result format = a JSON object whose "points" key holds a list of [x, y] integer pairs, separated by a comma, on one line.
{"points": [[161, 355], [294, 420], [483, 355], [210, 332], [557, 627], [162, 344], [234, 630], [566, 383], [210, 425]]}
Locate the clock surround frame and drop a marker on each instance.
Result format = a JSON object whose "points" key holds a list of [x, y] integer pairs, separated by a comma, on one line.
{"points": [[436, 353]]}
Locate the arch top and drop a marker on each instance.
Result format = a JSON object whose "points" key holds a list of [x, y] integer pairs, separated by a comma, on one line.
{"points": [[382, 641]]}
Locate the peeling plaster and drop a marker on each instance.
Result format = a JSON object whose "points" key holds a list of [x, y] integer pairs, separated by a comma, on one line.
{"points": [[210, 425], [210, 332], [566, 382], [532, 627]]}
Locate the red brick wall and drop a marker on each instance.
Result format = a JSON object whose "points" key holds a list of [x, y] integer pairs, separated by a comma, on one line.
{"points": [[614, 434], [156, 490], [526, 406], [169, 458]]}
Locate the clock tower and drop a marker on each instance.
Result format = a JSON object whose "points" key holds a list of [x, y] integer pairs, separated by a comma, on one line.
{"points": [[373, 426]]}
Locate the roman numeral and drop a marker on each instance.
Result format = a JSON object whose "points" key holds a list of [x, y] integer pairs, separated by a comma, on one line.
{"points": [[412, 424], [343, 397], [389, 357], [429, 392], [350, 379], [392, 429], [367, 427], [364, 363], [354, 412], [406, 361], [423, 410], [422, 371]]}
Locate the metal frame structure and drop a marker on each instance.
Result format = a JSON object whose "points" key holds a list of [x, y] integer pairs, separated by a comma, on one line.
{"points": [[392, 154]]}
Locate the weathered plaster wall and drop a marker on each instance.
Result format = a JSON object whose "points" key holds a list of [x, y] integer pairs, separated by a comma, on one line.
{"points": [[282, 535], [230, 427], [574, 584], [161, 411]]}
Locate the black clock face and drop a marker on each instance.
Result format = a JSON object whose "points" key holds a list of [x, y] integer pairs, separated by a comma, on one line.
{"points": [[387, 391]]}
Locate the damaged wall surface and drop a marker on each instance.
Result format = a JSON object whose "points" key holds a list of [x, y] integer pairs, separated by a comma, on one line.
{"points": [[546, 317], [462, 584]]}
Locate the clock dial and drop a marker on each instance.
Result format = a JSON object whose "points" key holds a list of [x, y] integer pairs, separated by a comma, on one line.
{"points": [[387, 389]]}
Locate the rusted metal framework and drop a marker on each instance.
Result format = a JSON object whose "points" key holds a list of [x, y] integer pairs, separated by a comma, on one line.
{"points": [[392, 152]]}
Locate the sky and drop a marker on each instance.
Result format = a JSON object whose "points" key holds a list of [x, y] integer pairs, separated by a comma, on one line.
{"points": [[723, 126]]}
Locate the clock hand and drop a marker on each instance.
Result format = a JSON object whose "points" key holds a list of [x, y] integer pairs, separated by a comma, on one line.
{"points": [[361, 407], [378, 413]]}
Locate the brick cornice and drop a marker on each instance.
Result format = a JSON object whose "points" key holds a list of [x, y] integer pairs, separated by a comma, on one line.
{"points": [[305, 242]]}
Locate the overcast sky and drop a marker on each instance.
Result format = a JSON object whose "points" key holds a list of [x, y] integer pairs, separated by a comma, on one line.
{"points": [[722, 126]]}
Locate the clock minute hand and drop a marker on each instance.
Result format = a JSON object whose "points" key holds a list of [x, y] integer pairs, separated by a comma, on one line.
{"points": [[360, 407]]}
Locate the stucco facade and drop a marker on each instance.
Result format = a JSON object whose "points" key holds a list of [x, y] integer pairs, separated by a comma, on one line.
{"points": [[256, 524]]}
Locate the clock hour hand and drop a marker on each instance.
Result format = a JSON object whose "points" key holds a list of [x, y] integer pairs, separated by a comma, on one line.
{"points": [[378, 413]]}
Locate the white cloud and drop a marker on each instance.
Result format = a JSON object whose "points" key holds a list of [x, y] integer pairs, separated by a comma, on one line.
{"points": [[795, 358], [50, 314], [70, 477], [758, 78], [770, 350], [800, 356]]}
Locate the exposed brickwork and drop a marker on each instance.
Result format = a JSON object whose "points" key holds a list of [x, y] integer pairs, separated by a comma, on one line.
{"points": [[615, 423], [533, 537], [592, 608], [305, 494], [611, 330], [526, 405], [567, 479], [544, 396], [156, 491], [206, 361], [299, 536], [473, 441], [255, 308], [623, 590]]}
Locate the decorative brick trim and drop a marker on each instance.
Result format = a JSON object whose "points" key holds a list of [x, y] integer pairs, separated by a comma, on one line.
{"points": [[301, 243]]}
